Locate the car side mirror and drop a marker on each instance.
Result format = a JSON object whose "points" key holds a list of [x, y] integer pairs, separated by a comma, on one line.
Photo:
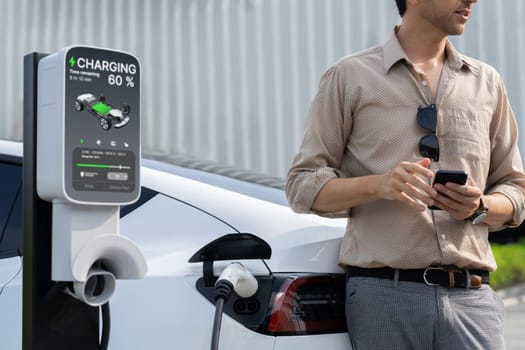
{"points": [[244, 246]]}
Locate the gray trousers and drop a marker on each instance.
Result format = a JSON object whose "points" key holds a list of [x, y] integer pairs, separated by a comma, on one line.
{"points": [[386, 314]]}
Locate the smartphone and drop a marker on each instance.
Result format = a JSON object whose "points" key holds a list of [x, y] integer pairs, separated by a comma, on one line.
{"points": [[444, 176]]}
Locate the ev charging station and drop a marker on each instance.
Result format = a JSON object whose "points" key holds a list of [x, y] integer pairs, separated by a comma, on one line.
{"points": [[87, 169], [86, 144], [81, 162]]}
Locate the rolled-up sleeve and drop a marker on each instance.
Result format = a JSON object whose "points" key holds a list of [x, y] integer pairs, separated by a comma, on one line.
{"points": [[321, 152], [506, 169]]}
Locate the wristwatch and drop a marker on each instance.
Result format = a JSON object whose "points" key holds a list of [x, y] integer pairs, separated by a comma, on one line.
{"points": [[480, 213]]}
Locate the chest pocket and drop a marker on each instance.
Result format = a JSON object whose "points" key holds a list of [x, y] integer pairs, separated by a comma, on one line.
{"points": [[465, 134]]}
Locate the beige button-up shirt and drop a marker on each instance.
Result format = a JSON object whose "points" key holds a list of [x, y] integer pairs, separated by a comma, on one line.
{"points": [[363, 121]]}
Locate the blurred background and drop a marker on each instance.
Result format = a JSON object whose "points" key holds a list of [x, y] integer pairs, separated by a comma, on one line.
{"points": [[231, 81]]}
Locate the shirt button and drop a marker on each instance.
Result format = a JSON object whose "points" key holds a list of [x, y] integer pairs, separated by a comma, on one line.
{"points": [[424, 82], [443, 236]]}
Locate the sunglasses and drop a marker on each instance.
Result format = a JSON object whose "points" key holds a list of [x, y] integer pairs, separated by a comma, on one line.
{"points": [[427, 119]]}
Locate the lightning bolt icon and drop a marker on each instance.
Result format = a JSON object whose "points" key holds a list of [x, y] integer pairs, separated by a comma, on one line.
{"points": [[72, 61]]}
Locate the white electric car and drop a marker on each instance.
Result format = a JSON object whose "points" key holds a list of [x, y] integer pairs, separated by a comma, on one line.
{"points": [[300, 300]]}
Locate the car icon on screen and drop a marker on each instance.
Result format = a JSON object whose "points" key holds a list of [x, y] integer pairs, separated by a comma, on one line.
{"points": [[107, 114]]}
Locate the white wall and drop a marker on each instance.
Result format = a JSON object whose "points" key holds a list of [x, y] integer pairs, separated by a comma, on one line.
{"points": [[231, 80]]}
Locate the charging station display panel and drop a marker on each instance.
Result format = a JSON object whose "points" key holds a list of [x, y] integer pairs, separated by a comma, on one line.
{"points": [[102, 126]]}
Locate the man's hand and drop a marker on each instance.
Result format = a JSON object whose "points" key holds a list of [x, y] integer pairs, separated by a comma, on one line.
{"points": [[409, 183], [461, 201]]}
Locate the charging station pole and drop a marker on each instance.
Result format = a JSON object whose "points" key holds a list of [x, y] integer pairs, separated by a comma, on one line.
{"points": [[51, 318]]}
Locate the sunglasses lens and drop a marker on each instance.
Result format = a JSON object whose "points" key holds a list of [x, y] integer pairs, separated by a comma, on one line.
{"points": [[429, 147], [427, 118]]}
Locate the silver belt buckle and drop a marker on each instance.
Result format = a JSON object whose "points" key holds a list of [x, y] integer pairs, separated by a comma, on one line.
{"points": [[425, 275]]}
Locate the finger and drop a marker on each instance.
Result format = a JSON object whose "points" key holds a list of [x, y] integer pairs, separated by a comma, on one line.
{"points": [[415, 188], [420, 168], [459, 193], [425, 162], [404, 192], [447, 203], [421, 186], [454, 187], [471, 182], [420, 192], [458, 205], [411, 202], [466, 196], [412, 188]]}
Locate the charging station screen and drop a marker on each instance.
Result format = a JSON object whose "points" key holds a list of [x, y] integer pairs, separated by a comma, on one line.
{"points": [[102, 121]]}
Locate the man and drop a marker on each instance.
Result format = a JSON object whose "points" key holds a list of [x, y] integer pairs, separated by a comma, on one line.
{"points": [[383, 122]]}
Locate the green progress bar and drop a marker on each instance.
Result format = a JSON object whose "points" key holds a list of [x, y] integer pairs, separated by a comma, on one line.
{"points": [[103, 166], [87, 165]]}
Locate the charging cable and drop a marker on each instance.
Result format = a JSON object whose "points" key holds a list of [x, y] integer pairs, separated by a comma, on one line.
{"points": [[104, 310], [106, 325], [235, 277]]}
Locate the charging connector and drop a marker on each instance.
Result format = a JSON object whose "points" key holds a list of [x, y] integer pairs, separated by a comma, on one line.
{"points": [[235, 277]]}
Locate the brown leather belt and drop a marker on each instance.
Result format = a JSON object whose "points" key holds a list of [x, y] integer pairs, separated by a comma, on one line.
{"points": [[432, 276]]}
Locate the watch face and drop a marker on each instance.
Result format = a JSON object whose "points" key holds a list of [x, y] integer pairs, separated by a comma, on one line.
{"points": [[479, 217]]}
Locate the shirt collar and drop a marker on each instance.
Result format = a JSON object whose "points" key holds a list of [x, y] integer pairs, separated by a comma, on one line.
{"points": [[393, 53]]}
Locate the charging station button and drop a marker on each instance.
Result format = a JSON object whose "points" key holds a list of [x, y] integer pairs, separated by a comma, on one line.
{"points": [[117, 176], [120, 188], [88, 186]]}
